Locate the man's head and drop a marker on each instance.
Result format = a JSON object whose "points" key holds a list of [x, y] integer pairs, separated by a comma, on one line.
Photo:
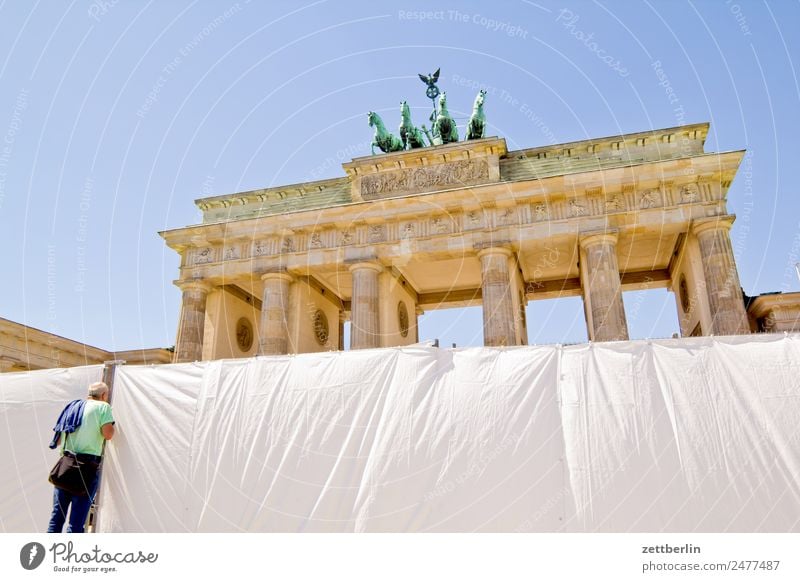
{"points": [[98, 391]]}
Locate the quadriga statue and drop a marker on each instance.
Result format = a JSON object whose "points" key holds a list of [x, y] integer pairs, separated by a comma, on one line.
{"points": [[412, 137], [476, 128], [445, 125], [387, 142]]}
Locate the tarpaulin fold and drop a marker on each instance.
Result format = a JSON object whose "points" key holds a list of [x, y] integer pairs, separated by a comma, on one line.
{"points": [[696, 434], [30, 403]]}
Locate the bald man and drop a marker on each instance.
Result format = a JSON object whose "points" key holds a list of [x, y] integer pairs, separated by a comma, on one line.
{"points": [[84, 442]]}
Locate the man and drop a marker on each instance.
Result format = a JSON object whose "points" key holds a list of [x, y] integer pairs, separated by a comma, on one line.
{"points": [[83, 427]]}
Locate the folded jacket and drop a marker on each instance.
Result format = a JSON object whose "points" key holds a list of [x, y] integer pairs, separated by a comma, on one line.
{"points": [[68, 421]]}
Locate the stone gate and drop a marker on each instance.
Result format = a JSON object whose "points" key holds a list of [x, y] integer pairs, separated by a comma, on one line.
{"points": [[280, 270]]}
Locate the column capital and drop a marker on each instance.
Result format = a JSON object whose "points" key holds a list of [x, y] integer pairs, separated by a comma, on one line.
{"points": [[713, 223], [374, 265], [277, 276], [495, 251], [193, 284], [588, 239]]}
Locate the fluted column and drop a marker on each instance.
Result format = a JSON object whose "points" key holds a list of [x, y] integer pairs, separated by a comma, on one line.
{"points": [[601, 287], [189, 344], [728, 316], [274, 329], [365, 320], [498, 302]]}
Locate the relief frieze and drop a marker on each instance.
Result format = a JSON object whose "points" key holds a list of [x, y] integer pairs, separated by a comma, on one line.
{"points": [[690, 193], [540, 212], [204, 255], [425, 178], [260, 248], [377, 233]]}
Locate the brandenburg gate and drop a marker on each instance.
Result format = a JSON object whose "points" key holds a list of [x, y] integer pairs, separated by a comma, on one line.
{"points": [[280, 270]]}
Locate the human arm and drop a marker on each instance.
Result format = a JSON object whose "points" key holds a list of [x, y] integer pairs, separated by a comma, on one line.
{"points": [[108, 431], [107, 423]]}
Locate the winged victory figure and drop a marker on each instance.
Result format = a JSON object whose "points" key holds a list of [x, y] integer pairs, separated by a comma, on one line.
{"points": [[430, 80]]}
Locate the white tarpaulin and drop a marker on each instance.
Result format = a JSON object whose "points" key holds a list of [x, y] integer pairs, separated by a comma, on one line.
{"points": [[693, 434], [29, 406]]}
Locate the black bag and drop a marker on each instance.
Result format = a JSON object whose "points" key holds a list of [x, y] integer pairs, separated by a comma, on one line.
{"points": [[72, 475]]}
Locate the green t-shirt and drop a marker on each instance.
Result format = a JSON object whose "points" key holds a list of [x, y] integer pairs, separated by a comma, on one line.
{"points": [[88, 438]]}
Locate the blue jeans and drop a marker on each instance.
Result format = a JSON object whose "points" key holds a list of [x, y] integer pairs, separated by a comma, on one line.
{"points": [[80, 509]]}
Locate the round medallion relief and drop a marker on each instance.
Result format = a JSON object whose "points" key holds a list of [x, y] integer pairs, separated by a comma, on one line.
{"points": [[402, 318], [321, 330], [684, 291], [244, 334]]}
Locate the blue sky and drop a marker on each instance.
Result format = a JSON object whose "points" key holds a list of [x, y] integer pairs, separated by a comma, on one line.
{"points": [[114, 117]]}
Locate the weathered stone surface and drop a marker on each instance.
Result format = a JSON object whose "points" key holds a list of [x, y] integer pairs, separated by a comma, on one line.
{"points": [[365, 330], [426, 179], [538, 204], [274, 328], [602, 289], [728, 316], [189, 345], [498, 304]]}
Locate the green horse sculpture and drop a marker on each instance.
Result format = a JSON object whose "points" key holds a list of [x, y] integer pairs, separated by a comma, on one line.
{"points": [[386, 141], [412, 137], [476, 128], [445, 126]]}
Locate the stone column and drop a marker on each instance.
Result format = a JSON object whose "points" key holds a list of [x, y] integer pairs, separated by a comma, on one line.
{"points": [[728, 316], [602, 289], [274, 329], [365, 327], [189, 345], [342, 319], [418, 311], [498, 303]]}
